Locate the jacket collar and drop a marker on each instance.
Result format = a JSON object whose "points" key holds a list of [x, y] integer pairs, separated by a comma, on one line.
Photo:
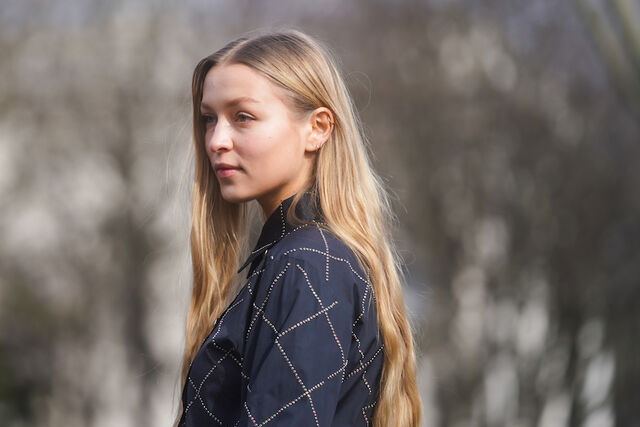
{"points": [[277, 226]]}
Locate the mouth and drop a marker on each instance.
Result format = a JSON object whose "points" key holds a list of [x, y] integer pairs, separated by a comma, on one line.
{"points": [[224, 170]]}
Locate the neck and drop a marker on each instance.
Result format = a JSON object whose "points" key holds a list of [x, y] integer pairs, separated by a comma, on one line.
{"points": [[270, 204]]}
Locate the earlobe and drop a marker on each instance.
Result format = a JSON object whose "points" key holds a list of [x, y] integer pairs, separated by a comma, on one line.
{"points": [[321, 123]]}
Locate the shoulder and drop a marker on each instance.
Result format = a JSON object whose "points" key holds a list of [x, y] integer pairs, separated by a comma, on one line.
{"points": [[318, 247], [321, 262]]}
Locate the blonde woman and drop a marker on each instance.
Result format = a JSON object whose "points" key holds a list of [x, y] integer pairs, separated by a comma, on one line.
{"points": [[315, 332]]}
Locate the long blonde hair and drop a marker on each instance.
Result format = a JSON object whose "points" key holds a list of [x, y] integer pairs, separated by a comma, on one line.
{"points": [[352, 200]]}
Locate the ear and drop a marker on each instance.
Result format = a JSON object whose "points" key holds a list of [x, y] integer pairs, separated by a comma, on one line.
{"points": [[320, 125]]}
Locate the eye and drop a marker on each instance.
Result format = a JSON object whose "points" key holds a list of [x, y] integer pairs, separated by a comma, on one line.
{"points": [[206, 119], [243, 117]]}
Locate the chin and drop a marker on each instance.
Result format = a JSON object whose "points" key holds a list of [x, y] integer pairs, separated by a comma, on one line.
{"points": [[235, 197]]}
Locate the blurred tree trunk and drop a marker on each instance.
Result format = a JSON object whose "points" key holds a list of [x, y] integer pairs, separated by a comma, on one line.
{"points": [[614, 27]]}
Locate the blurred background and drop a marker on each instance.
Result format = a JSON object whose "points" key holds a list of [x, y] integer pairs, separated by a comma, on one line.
{"points": [[508, 131]]}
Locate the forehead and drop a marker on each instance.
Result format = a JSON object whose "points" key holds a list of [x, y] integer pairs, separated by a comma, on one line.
{"points": [[232, 82]]}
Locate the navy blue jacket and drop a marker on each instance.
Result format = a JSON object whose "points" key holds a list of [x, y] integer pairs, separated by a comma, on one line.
{"points": [[299, 345]]}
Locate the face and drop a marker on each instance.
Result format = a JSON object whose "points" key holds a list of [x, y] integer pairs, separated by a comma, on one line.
{"points": [[255, 142]]}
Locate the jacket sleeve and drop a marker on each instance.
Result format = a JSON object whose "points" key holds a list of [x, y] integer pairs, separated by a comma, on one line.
{"points": [[297, 344]]}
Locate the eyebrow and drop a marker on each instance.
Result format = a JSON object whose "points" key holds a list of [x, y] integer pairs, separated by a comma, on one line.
{"points": [[231, 103]]}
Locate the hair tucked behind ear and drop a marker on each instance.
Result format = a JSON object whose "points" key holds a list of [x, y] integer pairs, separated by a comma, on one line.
{"points": [[352, 199]]}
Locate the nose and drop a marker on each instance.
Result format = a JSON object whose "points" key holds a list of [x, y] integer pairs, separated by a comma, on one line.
{"points": [[218, 137]]}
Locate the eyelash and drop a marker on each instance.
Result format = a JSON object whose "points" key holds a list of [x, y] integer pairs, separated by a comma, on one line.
{"points": [[244, 116], [240, 117], [208, 119]]}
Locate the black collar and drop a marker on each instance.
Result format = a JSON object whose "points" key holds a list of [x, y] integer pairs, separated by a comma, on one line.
{"points": [[277, 226]]}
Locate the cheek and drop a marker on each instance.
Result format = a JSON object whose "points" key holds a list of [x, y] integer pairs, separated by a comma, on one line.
{"points": [[273, 147], [257, 152]]}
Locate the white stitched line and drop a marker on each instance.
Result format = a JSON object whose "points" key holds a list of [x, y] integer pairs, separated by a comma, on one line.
{"points": [[197, 395], [357, 319], [282, 221], [223, 316], [364, 296], [283, 235], [308, 319], [365, 365], [266, 298], [330, 256], [249, 284], [295, 373], [364, 372], [333, 331], [238, 362], [326, 246], [306, 393], [255, 273], [262, 247], [192, 400], [208, 411], [275, 331], [214, 366], [364, 408], [340, 369], [250, 416]]}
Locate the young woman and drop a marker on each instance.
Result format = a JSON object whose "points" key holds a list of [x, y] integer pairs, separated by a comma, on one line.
{"points": [[314, 333]]}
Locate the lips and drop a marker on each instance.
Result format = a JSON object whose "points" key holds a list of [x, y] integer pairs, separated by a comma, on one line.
{"points": [[224, 170]]}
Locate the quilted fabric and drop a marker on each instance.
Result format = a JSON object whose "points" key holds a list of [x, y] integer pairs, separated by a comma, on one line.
{"points": [[299, 345]]}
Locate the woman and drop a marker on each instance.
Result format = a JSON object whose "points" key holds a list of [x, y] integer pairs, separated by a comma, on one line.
{"points": [[315, 332]]}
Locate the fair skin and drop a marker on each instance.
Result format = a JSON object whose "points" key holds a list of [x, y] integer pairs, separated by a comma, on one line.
{"points": [[258, 146]]}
